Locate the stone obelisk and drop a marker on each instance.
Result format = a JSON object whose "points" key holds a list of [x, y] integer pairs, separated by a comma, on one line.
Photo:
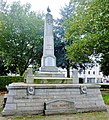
{"points": [[48, 61]]}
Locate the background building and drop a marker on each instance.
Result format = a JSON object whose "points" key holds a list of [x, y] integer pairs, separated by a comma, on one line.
{"points": [[90, 75]]}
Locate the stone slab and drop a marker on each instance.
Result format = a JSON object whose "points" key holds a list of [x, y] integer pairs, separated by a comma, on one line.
{"points": [[48, 74], [59, 106]]}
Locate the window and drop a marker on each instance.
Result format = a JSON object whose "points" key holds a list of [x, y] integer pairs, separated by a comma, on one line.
{"points": [[96, 65], [88, 72], [94, 72], [90, 80]]}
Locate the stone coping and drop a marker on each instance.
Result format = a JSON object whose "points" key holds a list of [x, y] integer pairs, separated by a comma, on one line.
{"points": [[57, 72], [60, 78], [102, 83], [50, 86]]}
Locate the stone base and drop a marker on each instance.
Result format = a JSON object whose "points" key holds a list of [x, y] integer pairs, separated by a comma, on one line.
{"points": [[49, 74], [49, 69], [29, 99]]}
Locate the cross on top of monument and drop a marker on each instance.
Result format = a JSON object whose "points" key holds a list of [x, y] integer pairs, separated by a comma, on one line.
{"points": [[48, 9]]}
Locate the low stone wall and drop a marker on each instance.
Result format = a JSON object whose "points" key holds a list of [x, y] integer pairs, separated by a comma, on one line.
{"points": [[25, 99]]}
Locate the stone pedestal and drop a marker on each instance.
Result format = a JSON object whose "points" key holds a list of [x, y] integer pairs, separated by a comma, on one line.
{"points": [[44, 99]]}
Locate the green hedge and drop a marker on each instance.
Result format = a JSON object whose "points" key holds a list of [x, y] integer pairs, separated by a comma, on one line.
{"points": [[6, 80]]}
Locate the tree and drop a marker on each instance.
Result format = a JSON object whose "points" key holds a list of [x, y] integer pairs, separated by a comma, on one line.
{"points": [[60, 39], [21, 36], [89, 30], [3, 69]]}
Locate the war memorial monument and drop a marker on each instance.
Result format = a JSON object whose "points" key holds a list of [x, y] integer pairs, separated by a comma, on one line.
{"points": [[40, 96]]}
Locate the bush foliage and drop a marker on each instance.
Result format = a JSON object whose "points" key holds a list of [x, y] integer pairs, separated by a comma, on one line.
{"points": [[6, 80]]}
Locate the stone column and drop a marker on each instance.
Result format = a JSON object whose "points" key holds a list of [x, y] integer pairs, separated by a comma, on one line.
{"points": [[75, 76], [29, 75], [48, 62]]}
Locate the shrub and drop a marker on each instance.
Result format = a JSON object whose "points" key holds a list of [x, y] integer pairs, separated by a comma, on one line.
{"points": [[6, 80]]}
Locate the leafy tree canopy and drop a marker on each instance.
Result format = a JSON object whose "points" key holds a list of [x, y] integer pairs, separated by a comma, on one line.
{"points": [[59, 36], [20, 35], [89, 29]]}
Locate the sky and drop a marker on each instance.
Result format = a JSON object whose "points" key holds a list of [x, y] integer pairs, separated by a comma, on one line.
{"points": [[41, 5]]}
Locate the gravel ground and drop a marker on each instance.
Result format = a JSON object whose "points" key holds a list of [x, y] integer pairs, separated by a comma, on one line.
{"points": [[78, 116]]}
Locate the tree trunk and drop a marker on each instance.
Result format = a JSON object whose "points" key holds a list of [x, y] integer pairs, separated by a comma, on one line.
{"points": [[68, 70], [21, 73], [22, 70]]}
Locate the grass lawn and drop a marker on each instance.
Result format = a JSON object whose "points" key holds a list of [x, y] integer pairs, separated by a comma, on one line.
{"points": [[78, 116], [105, 95], [106, 98]]}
